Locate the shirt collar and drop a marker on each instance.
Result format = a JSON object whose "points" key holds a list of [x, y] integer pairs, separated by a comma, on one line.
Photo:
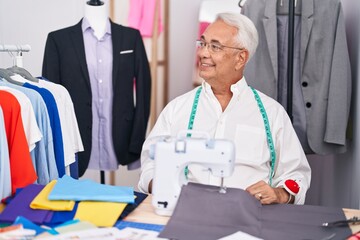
{"points": [[85, 25], [235, 88]]}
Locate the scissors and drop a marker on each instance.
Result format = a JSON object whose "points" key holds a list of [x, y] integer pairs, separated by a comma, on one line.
{"points": [[343, 223]]}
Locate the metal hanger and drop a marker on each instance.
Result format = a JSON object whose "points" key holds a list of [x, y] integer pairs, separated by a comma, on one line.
{"points": [[23, 72], [241, 3], [6, 74]]}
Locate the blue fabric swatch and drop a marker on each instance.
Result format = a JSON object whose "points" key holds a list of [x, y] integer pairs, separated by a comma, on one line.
{"points": [[67, 188]]}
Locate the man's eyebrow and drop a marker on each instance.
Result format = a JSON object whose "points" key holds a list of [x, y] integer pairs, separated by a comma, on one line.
{"points": [[212, 41], [215, 41]]}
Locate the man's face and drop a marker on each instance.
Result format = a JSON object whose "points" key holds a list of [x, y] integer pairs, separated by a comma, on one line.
{"points": [[218, 64]]}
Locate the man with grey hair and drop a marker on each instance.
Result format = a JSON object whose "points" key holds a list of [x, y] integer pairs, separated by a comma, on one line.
{"points": [[268, 152]]}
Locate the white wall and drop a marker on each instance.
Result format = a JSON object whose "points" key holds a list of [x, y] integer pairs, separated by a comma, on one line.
{"points": [[183, 32], [29, 22]]}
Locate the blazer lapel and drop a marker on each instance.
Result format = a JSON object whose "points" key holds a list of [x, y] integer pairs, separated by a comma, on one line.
{"points": [[117, 39], [306, 26], [269, 22], [78, 41]]}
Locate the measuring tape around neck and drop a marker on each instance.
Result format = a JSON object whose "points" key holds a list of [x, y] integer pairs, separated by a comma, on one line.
{"points": [[266, 124]]}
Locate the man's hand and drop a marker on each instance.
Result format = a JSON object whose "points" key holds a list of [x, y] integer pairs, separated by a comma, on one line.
{"points": [[268, 195]]}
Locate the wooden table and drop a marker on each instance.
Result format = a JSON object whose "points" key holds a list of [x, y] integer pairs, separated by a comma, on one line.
{"points": [[349, 213], [145, 213]]}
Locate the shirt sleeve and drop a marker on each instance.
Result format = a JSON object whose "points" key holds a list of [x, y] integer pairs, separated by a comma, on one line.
{"points": [[291, 162]]}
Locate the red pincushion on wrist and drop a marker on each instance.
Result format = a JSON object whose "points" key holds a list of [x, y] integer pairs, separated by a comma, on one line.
{"points": [[291, 187]]}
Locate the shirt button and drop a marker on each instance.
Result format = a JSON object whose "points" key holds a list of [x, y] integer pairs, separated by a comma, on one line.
{"points": [[100, 80], [100, 60], [101, 100], [304, 84], [308, 105]]}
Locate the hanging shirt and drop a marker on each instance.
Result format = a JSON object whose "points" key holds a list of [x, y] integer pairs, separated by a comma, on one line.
{"points": [[31, 129], [21, 167], [5, 178], [242, 123], [70, 130], [141, 16], [55, 125], [43, 154], [99, 57]]}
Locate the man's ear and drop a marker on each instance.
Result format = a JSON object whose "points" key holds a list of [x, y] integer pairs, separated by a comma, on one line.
{"points": [[242, 58]]}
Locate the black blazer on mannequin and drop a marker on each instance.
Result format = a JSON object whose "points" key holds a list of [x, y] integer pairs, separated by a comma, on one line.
{"points": [[65, 63]]}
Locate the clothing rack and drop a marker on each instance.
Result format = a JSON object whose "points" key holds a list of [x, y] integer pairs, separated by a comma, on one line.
{"points": [[290, 58], [19, 49]]}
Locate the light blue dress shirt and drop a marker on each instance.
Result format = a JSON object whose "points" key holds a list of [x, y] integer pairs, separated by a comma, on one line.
{"points": [[99, 58], [55, 125]]}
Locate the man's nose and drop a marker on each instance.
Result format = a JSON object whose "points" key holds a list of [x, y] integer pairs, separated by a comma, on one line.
{"points": [[204, 52]]}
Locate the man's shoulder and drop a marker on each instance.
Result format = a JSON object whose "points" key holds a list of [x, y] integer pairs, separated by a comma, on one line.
{"points": [[269, 102], [182, 100], [185, 95]]}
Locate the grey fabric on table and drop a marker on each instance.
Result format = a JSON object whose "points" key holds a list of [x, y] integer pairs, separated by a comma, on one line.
{"points": [[202, 213]]}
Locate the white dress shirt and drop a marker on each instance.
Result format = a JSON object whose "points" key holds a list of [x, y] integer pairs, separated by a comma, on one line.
{"points": [[31, 128], [69, 125], [242, 123]]}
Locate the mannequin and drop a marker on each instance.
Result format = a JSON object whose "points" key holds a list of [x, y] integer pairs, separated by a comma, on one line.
{"points": [[104, 60], [97, 14]]}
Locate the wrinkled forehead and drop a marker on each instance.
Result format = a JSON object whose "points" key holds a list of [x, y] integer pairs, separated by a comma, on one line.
{"points": [[219, 31]]}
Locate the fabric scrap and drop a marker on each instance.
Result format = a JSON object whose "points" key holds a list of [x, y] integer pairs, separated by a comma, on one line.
{"points": [[68, 188], [41, 201]]}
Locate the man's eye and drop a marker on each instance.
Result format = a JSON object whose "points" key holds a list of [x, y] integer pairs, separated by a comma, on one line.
{"points": [[215, 47]]}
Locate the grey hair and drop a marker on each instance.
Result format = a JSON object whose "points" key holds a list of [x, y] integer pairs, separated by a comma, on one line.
{"points": [[247, 35]]}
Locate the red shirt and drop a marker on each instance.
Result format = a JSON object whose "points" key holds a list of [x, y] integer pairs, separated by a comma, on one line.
{"points": [[21, 166]]}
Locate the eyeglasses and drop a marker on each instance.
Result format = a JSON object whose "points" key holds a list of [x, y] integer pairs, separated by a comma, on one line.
{"points": [[214, 47]]}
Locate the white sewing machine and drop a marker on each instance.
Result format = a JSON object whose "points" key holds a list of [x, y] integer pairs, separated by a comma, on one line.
{"points": [[172, 155]]}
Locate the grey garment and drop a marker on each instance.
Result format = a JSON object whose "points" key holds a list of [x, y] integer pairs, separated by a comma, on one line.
{"points": [[298, 107], [24, 73], [204, 213], [324, 67]]}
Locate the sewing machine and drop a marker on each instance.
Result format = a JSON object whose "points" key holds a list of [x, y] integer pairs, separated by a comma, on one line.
{"points": [[172, 155]]}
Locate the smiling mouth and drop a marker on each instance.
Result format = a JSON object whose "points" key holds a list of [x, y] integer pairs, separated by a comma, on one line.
{"points": [[205, 65]]}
